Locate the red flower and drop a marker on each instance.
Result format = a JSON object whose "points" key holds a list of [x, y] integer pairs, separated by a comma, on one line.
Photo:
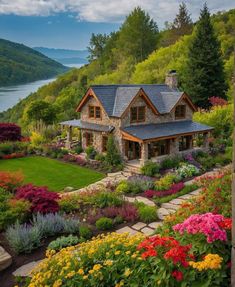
{"points": [[149, 253], [178, 275], [226, 223]]}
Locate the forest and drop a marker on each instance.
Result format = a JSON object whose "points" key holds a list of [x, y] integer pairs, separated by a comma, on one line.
{"points": [[21, 64], [140, 53]]}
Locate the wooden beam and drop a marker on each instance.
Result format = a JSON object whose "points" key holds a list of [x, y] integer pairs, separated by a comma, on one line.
{"points": [[187, 98], [129, 137]]}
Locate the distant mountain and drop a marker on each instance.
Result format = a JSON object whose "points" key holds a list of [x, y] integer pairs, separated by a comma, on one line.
{"points": [[20, 64], [65, 56]]}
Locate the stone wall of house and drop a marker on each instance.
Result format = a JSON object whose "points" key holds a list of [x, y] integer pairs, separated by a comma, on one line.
{"points": [[105, 120], [189, 111]]}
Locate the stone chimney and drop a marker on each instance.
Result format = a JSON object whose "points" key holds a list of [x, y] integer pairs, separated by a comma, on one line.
{"points": [[171, 79]]}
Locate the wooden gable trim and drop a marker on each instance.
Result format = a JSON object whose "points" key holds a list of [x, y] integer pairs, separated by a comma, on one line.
{"points": [[129, 137], [143, 95], [85, 98], [188, 100]]}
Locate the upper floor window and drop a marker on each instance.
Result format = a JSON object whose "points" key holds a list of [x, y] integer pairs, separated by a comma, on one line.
{"points": [[137, 114], [180, 112], [94, 112]]}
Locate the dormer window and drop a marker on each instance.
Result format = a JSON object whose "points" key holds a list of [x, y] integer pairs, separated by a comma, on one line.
{"points": [[180, 112], [137, 114], [94, 112]]}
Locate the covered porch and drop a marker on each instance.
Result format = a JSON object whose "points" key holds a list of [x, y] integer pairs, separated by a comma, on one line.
{"points": [[157, 141]]}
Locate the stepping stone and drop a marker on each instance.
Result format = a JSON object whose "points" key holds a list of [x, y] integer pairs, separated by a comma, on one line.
{"points": [[186, 196], [171, 211], [127, 229], [147, 231], [196, 192], [170, 206], [155, 225], [5, 259], [130, 199], [138, 225], [177, 201], [145, 200], [25, 270], [189, 182], [162, 212]]}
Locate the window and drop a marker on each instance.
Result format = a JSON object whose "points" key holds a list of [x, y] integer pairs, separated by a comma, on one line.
{"points": [[89, 139], [180, 112], [159, 148], [104, 143], [185, 143], [94, 112], [137, 114]]}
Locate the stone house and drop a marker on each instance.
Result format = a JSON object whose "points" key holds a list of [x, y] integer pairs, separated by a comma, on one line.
{"points": [[147, 121]]}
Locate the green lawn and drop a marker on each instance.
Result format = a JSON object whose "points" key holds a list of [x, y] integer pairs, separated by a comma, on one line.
{"points": [[52, 173]]}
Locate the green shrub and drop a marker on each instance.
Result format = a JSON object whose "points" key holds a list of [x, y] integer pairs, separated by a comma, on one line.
{"points": [[91, 152], [104, 223], [69, 203], [147, 213], [78, 149], [171, 162], [113, 156], [100, 157], [166, 181], [150, 168], [118, 220], [123, 187], [85, 232], [62, 242], [207, 162], [23, 238], [187, 170], [6, 148], [104, 199]]}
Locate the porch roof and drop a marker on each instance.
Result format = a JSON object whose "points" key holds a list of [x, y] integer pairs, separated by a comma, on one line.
{"points": [[165, 130], [87, 126]]}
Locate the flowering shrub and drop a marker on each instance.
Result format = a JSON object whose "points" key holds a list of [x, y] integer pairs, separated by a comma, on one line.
{"points": [[191, 160], [9, 132], [208, 224], [10, 180], [174, 189], [13, 155], [41, 199], [211, 261], [217, 101], [165, 182], [187, 170]]}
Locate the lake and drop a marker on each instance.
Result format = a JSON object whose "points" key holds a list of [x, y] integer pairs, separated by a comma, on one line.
{"points": [[10, 95]]}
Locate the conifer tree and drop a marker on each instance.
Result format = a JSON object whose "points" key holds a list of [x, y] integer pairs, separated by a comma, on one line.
{"points": [[183, 21], [205, 69]]}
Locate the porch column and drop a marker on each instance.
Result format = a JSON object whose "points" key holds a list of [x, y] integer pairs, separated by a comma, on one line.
{"points": [[206, 141], [68, 138], [144, 153], [174, 146]]}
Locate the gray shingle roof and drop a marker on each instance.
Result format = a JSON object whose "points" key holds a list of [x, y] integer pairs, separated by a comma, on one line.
{"points": [[151, 131], [116, 98], [87, 126]]}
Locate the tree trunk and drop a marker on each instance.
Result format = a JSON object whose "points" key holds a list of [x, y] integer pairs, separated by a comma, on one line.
{"points": [[233, 190]]}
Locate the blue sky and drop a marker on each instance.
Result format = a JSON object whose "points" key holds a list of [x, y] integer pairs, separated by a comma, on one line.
{"points": [[69, 23]]}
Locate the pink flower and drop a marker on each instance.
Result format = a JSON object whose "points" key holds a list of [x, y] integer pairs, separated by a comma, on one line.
{"points": [[208, 224]]}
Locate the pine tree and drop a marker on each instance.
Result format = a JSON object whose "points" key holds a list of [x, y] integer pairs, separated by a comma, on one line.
{"points": [[183, 20], [205, 70]]}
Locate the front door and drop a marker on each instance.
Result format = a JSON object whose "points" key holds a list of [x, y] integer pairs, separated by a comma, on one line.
{"points": [[132, 150]]}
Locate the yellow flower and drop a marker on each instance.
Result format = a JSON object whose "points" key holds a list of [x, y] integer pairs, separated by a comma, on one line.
{"points": [[121, 283], [211, 261], [108, 262], [70, 274], [97, 267], [57, 283], [85, 277], [128, 252], [80, 271], [117, 252], [127, 272], [91, 271]]}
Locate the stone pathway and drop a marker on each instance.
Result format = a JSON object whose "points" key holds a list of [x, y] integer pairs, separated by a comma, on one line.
{"points": [[25, 270], [5, 259], [147, 229]]}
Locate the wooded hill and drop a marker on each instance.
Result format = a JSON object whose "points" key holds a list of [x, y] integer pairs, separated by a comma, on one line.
{"points": [[145, 58], [21, 64]]}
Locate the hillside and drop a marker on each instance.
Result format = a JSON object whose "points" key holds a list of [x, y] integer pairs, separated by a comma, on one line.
{"points": [[21, 64], [67, 90], [64, 56]]}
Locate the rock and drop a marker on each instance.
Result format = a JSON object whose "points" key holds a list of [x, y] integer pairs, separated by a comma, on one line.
{"points": [[177, 201], [170, 206], [186, 196], [130, 199], [5, 259], [138, 225], [155, 225], [189, 182], [147, 231], [196, 192], [114, 174], [126, 229], [162, 212], [145, 200], [68, 189], [25, 270]]}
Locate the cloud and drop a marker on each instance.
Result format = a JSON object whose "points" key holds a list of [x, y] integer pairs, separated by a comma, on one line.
{"points": [[113, 11]]}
